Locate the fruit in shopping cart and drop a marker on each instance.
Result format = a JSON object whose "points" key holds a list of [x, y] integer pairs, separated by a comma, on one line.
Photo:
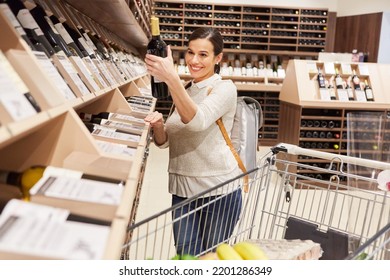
{"points": [[184, 257], [209, 256], [362, 256], [226, 252], [188, 257], [249, 251]]}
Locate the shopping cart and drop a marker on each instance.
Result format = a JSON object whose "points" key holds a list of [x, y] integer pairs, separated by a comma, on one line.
{"points": [[290, 199]]}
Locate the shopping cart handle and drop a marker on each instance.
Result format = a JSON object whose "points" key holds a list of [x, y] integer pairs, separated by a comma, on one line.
{"points": [[296, 150]]}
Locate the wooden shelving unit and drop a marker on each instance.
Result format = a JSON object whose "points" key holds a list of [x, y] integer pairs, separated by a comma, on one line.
{"points": [[128, 20], [259, 29], [57, 136], [308, 121]]}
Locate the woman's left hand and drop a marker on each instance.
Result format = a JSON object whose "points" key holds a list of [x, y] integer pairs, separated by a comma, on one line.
{"points": [[162, 68]]}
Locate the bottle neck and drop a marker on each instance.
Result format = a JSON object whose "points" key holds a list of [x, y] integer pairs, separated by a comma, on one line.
{"points": [[155, 27]]}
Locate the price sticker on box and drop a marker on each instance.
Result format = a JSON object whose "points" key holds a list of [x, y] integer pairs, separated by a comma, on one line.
{"points": [[363, 70], [346, 69], [343, 94], [311, 67], [324, 94], [329, 68], [360, 95]]}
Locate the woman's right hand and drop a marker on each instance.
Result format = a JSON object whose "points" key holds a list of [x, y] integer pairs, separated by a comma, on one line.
{"points": [[155, 119]]}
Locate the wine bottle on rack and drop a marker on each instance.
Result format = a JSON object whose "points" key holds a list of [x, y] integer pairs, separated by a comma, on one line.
{"points": [[339, 80], [351, 97], [368, 91], [25, 180], [355, 81], [332, 91], [72, 45], [321, 79], [113, 116], [157, 47], [32, 29], [52, 35], [34, 45]]}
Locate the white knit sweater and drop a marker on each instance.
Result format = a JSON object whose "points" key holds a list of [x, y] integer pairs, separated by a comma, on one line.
{"points": [[198, 147]]}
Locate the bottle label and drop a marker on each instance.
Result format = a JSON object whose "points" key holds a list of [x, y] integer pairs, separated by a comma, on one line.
{"points": [[48, 20], [64, 34], [369, 94], [8, 13], [85, 46], [27, 21]]}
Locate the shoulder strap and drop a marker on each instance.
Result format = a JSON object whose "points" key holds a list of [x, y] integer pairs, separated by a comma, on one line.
{"points": [[232, 149]]}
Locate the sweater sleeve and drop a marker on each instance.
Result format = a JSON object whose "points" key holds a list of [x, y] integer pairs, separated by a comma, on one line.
{"points": [[214, 106]]}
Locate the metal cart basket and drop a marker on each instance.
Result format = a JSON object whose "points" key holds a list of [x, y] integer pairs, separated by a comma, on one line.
{"points": [[292, 199]]}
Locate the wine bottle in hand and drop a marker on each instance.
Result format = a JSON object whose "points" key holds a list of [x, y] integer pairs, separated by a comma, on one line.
{"points": [[157, 47]]}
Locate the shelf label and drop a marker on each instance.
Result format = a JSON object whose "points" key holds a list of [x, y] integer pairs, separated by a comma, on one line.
{"points": [[346, 69], [74, 76], [363, 70], [324, 94], [12, 90], [329, 68], [360, 95], [311, 67], [281, 73], [54, 75], [343, 94]]}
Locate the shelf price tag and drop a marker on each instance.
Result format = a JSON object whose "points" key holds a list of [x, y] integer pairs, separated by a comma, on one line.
{"points": [[346, 69], [54, 75], [343, 94], [360, 95], [324, 94], [363, 70], [329, 68], [311, 67], [281, 73]]}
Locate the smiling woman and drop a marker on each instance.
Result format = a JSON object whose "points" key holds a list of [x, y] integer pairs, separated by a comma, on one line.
{"points": [[199, 158]]}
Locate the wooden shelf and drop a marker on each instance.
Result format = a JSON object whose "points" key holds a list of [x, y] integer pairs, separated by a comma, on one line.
{"points": [[274, 29], [117, 17], [334, 126]]}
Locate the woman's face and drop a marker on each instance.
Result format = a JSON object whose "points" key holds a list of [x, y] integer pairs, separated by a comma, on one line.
{"points": [[200, 59]]}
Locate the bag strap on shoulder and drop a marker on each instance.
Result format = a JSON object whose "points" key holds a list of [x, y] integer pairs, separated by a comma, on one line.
{"points": [[232, 149]]}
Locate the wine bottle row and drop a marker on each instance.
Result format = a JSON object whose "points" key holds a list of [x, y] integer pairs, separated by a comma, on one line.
{"points": [[322, 145], [198, 15], [319, 134], [351, 89], [283, 22], [320, 123], [78, 62]]}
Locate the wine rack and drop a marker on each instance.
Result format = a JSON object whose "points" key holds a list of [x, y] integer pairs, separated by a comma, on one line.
{"points": [[250, 28], [355, 128]]}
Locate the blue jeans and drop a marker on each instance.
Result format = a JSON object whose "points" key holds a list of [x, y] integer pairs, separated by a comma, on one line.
{"points": [[205, 222]]}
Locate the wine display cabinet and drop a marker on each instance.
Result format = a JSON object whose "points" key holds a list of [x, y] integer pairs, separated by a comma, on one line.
{"points": [[248, 27], [354, 128], [56, 136]]}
